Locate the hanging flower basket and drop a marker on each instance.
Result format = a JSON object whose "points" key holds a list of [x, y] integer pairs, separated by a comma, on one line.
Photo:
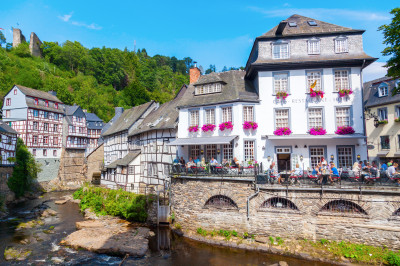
{"points": [[225, 125], [383, 122], [193, 129], [317, 131], [282, 94], [316, 93], [208, 127], [250, 125], [344, 130], [282, 131], [345, 92]]}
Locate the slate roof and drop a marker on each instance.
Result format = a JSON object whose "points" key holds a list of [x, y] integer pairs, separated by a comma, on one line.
{"points": [[30, 102], [126, 160], [236, 88], [4, 128], [373, 98], [93, 121], [118, 113], [303, 28], [92, 117], [127, 119], [71, 109], [38, 94]]}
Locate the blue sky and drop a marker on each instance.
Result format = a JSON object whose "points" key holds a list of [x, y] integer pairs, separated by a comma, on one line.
{"points": [[210, 32]]}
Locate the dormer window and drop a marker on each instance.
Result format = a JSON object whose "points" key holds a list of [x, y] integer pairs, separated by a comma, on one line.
{"points": [[280, 50], [292, 24], [383, 90], [312, 23], [36, 101], [341, 45], [314, 46], [208, 88]]}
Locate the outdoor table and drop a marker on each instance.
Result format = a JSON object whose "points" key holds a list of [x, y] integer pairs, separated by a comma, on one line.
{"points": [[285, 176], [325, 178]]}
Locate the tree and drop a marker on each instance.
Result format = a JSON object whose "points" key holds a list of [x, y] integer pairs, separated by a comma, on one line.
{"points": [[2, 39], [25, 171], [391, 35], [210, 69], [224, 69]]}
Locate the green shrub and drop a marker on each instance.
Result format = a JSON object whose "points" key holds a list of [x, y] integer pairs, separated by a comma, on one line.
{"points": [[201, 231], [393, 258], [271, 240], [324, 241], [102, 201]]}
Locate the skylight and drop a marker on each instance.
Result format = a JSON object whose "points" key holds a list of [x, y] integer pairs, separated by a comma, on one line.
{"points": [[292, 24], [312, 23]]}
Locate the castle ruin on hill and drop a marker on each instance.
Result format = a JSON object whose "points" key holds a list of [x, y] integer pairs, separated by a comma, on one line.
{"points": [[34, 43]]}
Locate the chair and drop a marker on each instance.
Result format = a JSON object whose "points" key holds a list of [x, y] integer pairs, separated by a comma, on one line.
{"points": [[294, 179], [372, 177], [353, 176]]}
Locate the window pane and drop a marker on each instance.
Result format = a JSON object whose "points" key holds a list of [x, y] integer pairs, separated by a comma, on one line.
{"points": [[248, 150], [281, 82], [281, 118], [210, 116], [228, 152], [315, 117], [345, 157], [316, 153], [226, 114], [194, 118], [311, 78], [341, 80], [248, 114], [211, 152], [195, 151], [342, 116], [385, 142]]}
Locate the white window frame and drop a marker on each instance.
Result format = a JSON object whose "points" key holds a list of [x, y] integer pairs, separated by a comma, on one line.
{"points": [[248, 113], [194, 117], [209, 116], [227, 151], [312, 76], [345, 159], [341, 45], [314, 46], [383, 113], [280, 50], [281, 82], [341, 78], [195, 151], [208, 88], [211, 151], [383, 90], [280, 116], [341, 116], [249, 150], [226, 114], [315, 119], [316, 153]]}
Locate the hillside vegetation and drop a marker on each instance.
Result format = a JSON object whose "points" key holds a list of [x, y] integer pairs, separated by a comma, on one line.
{"points": [[97, 79]]}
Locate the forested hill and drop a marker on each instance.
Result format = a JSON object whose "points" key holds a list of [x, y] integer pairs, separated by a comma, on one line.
{"points": [[97, 79]]}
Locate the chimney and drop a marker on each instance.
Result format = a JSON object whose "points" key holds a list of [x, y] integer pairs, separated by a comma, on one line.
{"points": [[119, 110], [194, 73], [54, 93], [281, 27], [84, 110]]}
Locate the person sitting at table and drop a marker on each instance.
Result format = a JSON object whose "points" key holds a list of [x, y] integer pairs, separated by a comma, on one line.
{"points": [[298, 171], [324, 163], [196, 161], [176, 161], [190, 163], [203, 162], [272, 173], [334, 172], [384, 167], [225, 163], [390, 163], [235, 163], [392, 171], [182, 161], [356, 169], [315, 171]]}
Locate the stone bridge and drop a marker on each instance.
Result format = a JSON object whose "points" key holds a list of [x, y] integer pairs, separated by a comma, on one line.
{"points": [[370, 216]]}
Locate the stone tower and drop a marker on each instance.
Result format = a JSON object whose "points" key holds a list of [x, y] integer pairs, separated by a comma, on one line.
{"points": [[34, 45], [18, 37]]}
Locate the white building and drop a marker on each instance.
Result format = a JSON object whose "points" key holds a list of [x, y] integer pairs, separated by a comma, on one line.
{"points": [[294, 56]]}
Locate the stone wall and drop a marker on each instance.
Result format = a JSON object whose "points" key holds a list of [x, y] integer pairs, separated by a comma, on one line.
{"points": [[379, 226], [5, 173], [94, 162], [18, 37], [34, 45], [71, 173], [50, 167]]}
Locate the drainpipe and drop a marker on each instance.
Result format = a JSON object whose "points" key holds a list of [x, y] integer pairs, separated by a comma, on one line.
{"points": [[248, 202]]}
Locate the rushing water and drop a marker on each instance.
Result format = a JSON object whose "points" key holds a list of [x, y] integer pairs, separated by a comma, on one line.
{"points": [[165, 247]]}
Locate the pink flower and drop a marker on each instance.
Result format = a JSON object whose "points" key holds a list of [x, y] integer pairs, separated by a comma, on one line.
{"points": [[225, 125], [345, 92], [344, 130], [208, 127], [193, 129], [317, 131], [282, 131], [250, 125]]}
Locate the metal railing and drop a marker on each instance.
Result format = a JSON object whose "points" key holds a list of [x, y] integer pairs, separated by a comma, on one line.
{"points": [[216, 171]]}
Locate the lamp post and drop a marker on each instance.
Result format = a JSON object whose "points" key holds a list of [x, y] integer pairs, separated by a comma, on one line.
{"points": [[358, 157]]}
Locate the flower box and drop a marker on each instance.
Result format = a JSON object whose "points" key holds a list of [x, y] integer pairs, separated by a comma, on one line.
{"points": [[344, 130], [282, 131], [208, 127], [225, 125], [397, 119], [345, 92], [316, 93], [282, 94], [383, 122], [250, 125], [317, 131], [193, 129]]}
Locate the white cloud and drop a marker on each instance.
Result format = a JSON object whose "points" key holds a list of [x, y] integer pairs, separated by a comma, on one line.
{"points": [[323, 13], [67, 17], [374, 71]]}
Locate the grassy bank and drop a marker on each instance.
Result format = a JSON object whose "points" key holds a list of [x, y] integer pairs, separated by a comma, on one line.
{"points": [[329, 250], [102, 201]]}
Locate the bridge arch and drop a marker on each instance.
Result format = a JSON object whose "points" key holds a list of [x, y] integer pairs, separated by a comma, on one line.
{"points": [[343, 206], [279, 203], [220, 202]]}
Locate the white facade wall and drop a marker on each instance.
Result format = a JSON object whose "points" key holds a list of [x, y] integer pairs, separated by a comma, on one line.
{"points": [[18, 108]]}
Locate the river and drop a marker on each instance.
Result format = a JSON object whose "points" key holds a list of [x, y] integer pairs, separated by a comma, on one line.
{"points": [[165, 248]]}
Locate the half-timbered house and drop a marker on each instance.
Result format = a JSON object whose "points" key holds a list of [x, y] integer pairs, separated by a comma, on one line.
{"points": [[94, 126]]}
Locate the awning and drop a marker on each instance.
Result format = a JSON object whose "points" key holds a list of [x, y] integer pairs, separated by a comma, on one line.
{"points": [[202, 141], [316, 137], [124, 161], [382, 153]]}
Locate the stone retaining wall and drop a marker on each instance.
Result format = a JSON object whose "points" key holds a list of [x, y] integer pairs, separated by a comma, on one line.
{"points": [[379, 226]]}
